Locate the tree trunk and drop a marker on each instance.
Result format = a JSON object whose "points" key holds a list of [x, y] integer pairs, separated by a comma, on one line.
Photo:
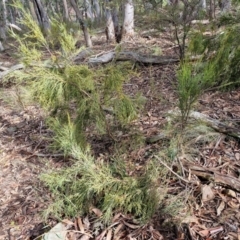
{"points": [[225, 5], [42, 16], [3, 19], [97, 11], [204, 4], [65, 10], [88, 10], [110, 31], [83, 25], [118, 29], [32, 10], [1, 47], [128, 23]]}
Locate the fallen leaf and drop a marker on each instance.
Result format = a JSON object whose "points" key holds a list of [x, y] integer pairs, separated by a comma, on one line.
{"points": [[207, 193], [237, 156], [231, 193], [132, 226], [97, 211], [116, 217], [119, 227], [80, 225], [215, 230], [109, 234], [203, 233], [85, 237], [233, 204], [58, 232], [86, 223], [101, 236], [220, 208], [68, 222]]}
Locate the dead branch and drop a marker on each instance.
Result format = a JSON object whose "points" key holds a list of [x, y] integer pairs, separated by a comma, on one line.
{"points": [[132, 56], [216, 125], [213, 123], [212, 175], [11, 69]]}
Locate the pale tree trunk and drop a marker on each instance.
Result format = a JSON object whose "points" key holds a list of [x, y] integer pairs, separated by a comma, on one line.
{"points": [[128, 23], [225, 5], [88, 9], [83, 25], [32, 10], [42, 16], [204, 4], [3, 19], [110, 31], [1, 47], [96, 9], [65, 10]]}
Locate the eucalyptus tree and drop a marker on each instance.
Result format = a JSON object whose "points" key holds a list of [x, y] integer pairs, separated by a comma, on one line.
{"points": [[128, 22], [96, 9], [110, 31], [3, 19], [41, 15], [82, 23], [65, 10], [225, 5]]}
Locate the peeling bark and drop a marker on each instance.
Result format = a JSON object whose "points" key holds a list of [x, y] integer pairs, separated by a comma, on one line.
{"points": [[128, 23]]}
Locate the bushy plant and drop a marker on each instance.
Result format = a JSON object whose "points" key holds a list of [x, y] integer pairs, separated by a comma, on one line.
{"points": [[89, 183], [72, 93], [220, 54], [193, 80], [79, 98]]}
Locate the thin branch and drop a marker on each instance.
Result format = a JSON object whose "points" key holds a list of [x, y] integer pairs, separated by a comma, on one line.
{"points": [[165, 165]]}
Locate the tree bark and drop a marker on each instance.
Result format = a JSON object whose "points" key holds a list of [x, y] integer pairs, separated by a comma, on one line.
{"points": [[42, 16], [3, 19], [96, 9], [128, 23], [65, 10], [88, 10], [1, 47], [225, 5], [110, 31], [117, 28], [83, 24]]}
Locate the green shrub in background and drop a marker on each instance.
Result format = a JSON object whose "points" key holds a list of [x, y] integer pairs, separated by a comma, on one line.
{"points": [[219, 51]]}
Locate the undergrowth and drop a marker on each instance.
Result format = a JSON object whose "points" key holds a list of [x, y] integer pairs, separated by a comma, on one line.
{"points": [[82, 102]]}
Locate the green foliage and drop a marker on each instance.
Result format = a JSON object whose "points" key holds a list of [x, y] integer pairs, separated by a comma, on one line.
{"points": [[90, 183], [220, 52], [227, 58], [192, 81], [75, 95], [197, 43]]}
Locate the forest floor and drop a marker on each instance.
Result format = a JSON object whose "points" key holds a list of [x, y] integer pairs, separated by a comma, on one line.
{"points": [[24, 155]]}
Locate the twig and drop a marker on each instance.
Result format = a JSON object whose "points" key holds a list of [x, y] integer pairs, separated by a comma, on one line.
{"points": [[165, 165]]}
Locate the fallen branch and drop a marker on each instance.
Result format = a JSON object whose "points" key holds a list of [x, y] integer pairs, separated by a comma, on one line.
{"points": [[13, 68], [166, 166], [216, 125], [213, 175], [213, 123], [132, 56]]}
